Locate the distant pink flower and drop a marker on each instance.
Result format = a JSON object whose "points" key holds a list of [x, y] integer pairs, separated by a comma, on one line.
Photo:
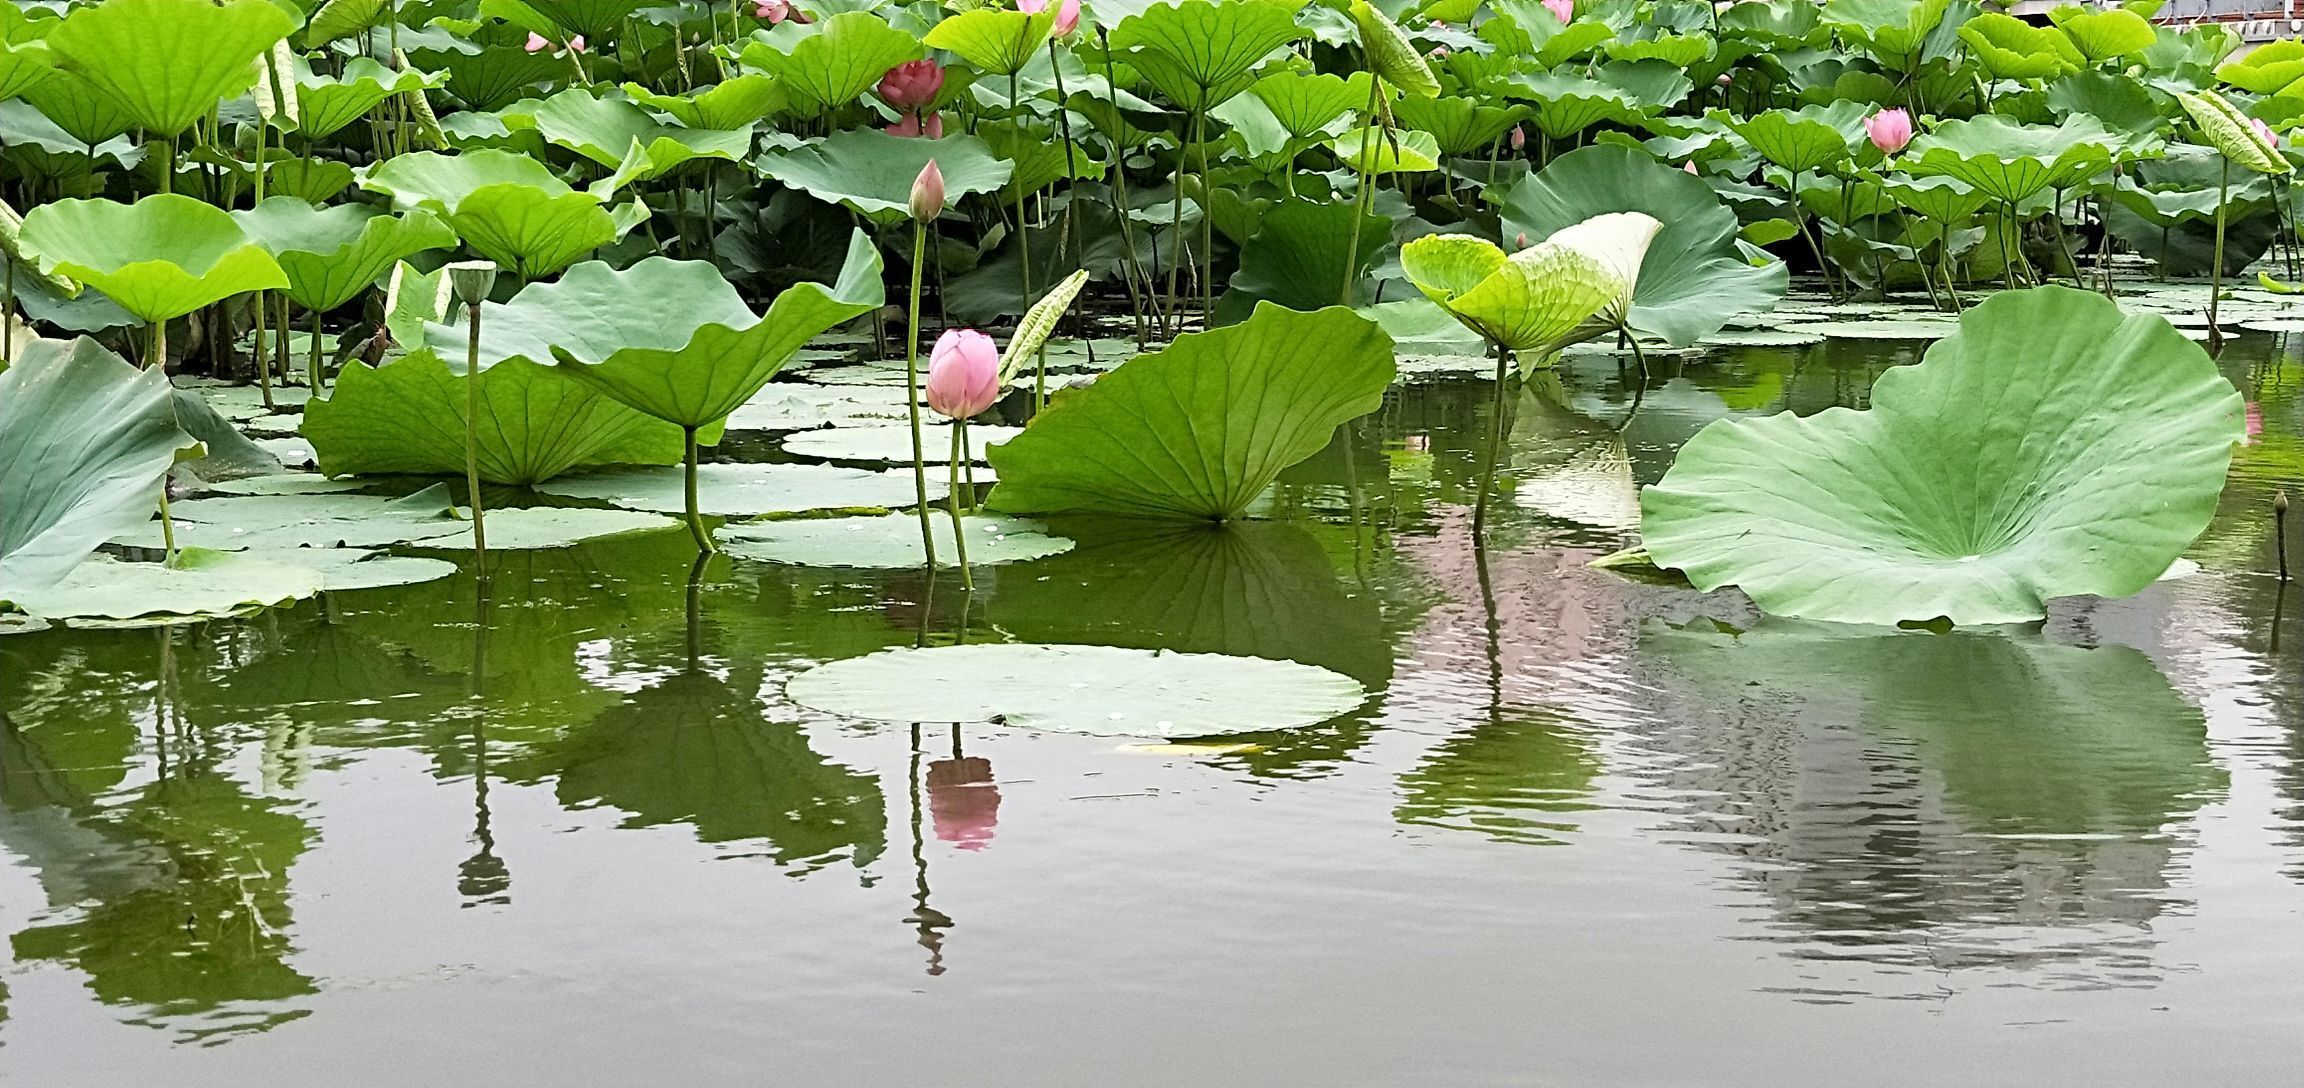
{"points": [[537, 43], [1439, 52], [912, 85], [1889, 130], [1520, 242], [1689, 166], [1563, 10], [775, 11], [1067, 14], [963, 374], [1519, 137], [963, 801], [576, 44], [2270, 137], [913, 124]]}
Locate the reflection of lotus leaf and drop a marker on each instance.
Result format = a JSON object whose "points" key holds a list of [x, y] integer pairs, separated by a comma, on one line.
{"points": [[1499, 778]]}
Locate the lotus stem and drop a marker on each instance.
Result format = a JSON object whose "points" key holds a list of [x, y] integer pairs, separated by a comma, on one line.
{"points": [[1495, 444], [167, 523], [1023, 232], [312, 361], [2056, 217], [472, 441], [1207, 224], [2216, 261], [695, 519], [263, 364], [1360, 165], [912, 398], [952, 503]]}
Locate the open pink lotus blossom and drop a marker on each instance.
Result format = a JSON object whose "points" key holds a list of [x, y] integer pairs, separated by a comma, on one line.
{"points": [[964, 801], [912, 85], [1890, 130], [1563, 10], [963, 374], [537, 43], [1067, 14], [913, 124]]}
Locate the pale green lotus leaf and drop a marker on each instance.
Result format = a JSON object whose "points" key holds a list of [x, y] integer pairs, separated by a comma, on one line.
{"points": [[894, 444], [199, 584], [871, 173], [1677, 50], [2226, 129], [286, 483], [2010, 48], [85, 442], [167, 62], [738, 102], [531, 528], [1885, 328], [79, 108], [1943, 199], [1386, 51], [2011, 162], [332, 254], [159, 258], [1566, 104], [1306, 103], [834, 66], [669, 338], [991, 39], [1694, 277], [23, 66], [889, 541], [1200, 53], [1096, 690], [1810, 138], [1459, 125], [750, 489], [345, 569], [2103, 35], [506, 206], [1198, 430], [341, 19], [2270, 68], [1534, 302], [326, 104], [425, 519], [1374, 150], [2091, 452], [627, 139], [407, 416]]}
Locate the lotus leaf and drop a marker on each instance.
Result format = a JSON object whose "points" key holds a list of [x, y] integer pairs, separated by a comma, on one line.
{"points": [[1375, 150], [1200, 428], [198, 584], [736, 103], [1535, 301], [2270, 68], [2011, 162], [507, 207], [75, 105], [1460, 126], [871, 172], [1811, 138], [1306, 103], [332, 254], [1677, 50], [2228, 131], [993, 40], [166, 62], [2089, 454], [1200, 53], [597, 19], [2103, 35], [746, 490], [23, 66], [625, 138], [835, 65], [894, 444], [1567, 104], [85, 442], [1694, 278], [1295, 256], [2010, 48], [1896, 31], [1097, 690], [159, 258], [888, 542], [324, 105]]}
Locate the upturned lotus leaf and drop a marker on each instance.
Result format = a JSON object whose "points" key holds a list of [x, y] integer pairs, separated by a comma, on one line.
{"points": [[159, 258], [166, 62], [992, 39], [332, 254], [506, 206], [835, 65]]}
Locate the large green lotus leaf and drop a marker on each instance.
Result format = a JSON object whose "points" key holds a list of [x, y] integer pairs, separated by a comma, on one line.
{"points": [[738, 102], [1306, 103], [159, 258], [1097, 690], [2228, 131], [2028, 739], [749, 489], [1200, 53], [274, 523], [2102, 35], [407, 416], [871, 173], [1567, 104], [888, 541], [85, 441], [833, 66], [893, 444], [1772, 26], [79, 108], [2267, 69], [23, 66], [1944, 200], [1534, 302], [671, 338], [1893, 30], [324, 104], [993, 40], [508, 207], [199, 583], [1036, 157], [613, 133], [1459, 125], [331, 254], [1694, 278], [2010, 48], [2052, 447], [596, 19], [489, 74], [1677, 50], [1375, 150], [2012, 162], [1810, 138], [167, 62], [1298, 255], [1200, 428]]}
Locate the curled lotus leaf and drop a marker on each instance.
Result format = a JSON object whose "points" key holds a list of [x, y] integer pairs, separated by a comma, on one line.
{"points": [[2225, 128]]}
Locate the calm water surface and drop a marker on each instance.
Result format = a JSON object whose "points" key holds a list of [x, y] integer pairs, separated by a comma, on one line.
{"points": [[1586, 832]]}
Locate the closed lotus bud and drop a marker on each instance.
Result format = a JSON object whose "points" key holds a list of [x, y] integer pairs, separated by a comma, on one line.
{"points": [[1519, 138], [1889, 130], [928, 193], [1689, 166], [963, 374], [1724, 80], [472, 280], [1520, 242]]}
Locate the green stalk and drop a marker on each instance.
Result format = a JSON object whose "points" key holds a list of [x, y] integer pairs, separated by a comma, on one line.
{"points": [[312, 361], [472, 440], [2216, 265], [912, 387], [952, 503], [1207, 225], [695, 519], [1360, 194]]}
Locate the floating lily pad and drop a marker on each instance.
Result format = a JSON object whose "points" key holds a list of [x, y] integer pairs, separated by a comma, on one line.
{"points": [[201, 584], [743, 490], [531, 527], [245, 402], [791, 406], [894, 444], [1096, 690], [1798, 336], [891, 541], [1887, 328], [343, 569]]}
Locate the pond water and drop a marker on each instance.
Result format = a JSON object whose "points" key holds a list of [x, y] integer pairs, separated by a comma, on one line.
{"points": [[1584, 833]]}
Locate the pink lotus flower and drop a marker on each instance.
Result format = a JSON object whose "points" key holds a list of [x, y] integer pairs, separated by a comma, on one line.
{"points": [[1439, 52], [1520, 242], [912, 85], [536, 43], [1889, 130], [1689, 166], [928, 193], [1563, 10], [913, 124], [2271, 138], [1519, 137], [964, 801], [576, 44], [774, 11], [1067, 14], [963, 374]]}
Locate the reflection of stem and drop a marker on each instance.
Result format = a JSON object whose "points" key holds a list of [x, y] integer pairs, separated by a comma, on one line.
{"points": [[696, 611], [1495, 443], [929, 921], [1492, 626]]}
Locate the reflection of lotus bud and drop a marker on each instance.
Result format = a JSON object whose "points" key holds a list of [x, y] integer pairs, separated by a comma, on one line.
{"points": [[928, 193], [964, 801], [472, 280]]}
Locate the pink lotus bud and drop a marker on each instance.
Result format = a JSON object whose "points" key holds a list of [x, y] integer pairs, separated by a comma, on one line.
{"points": [[1439, 52], [1689, 166], [928, 193], [1519, 137], [2271, 138], [912, 85], [1890, 130], [1563, 10], [963, 801], [963, 373], [1520, 242], [536, 43], [1724, 80], [1067, 14], [576, 44], [774, 11]]}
